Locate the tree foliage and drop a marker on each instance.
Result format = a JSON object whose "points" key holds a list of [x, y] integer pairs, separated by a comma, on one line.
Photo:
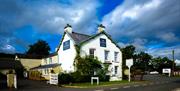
{"points": [[88, 65], [160, 63], [142, 61], [41, 47], [127, 53]]}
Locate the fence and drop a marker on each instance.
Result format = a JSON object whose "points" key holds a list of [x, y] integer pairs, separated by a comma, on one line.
{"points": [[177, 73], [35, 75]]}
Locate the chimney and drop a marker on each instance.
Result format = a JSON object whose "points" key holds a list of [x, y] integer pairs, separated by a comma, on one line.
{"points": [[16, 57], [101, 28], [68, 28]]}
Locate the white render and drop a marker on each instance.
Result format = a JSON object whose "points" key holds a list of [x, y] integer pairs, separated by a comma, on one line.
{"points": [[66, 57], [99, 53]]}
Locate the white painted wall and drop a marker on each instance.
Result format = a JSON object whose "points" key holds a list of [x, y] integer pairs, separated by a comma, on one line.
{"points": [[99, 52], [66, 57]]}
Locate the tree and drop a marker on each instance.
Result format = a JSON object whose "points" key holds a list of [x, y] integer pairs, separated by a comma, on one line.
{"points": [[127, 53], [142, 61], [41, 47], [88, 65], [159, 63]]}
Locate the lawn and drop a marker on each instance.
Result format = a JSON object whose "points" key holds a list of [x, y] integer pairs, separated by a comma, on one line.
{"points": [[111, 83]]}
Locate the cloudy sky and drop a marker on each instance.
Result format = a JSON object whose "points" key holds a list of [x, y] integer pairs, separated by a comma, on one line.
{"points": [[152, 26]]}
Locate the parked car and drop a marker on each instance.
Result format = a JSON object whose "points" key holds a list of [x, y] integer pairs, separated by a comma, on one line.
{"points": [[154, 72]]}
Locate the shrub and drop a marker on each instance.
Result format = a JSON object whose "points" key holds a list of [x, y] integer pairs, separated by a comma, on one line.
{"points": [[88, 65], [65, 78]]}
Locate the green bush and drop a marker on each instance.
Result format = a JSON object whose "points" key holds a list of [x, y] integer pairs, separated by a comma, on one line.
{"points": [[65, 78], [78, 78]]}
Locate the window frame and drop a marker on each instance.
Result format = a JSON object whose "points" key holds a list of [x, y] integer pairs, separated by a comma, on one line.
{"points": [[50, 60], [106, 57], [116, 70], [116, 56], [93, 55]]}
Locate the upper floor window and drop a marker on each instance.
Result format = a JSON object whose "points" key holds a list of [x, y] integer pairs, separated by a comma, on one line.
{"points": [[45, 61], [106, 54], [50, 60], [91, 52], [102, 42], [116, 56], [66, 45]]}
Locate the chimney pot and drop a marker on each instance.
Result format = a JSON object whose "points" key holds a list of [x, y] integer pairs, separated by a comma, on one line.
{"points": [[101, 28], [68, 28]]}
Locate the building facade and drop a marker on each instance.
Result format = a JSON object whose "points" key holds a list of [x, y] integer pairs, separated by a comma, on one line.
{"points": [[99, 45]]}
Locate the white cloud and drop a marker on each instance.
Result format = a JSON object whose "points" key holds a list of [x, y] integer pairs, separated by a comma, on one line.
{"points": [[8, 48], [165, 51], [141, 22], [145, 20], [168, 37], [53, 16], [45, 17], [177, 62]]}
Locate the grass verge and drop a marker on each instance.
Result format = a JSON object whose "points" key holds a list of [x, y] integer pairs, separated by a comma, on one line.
{"points": [[101, 84]]}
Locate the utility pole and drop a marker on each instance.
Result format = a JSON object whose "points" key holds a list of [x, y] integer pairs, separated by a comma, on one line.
{"points": [[173, 62]]}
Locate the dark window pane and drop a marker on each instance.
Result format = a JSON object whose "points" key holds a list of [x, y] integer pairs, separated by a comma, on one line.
{"points": [[91, 52], [115, 56], [106, 53], [116, 69]]}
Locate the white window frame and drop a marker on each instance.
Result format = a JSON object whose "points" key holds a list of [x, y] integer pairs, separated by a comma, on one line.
{"points": [[116, 56], [50, 60], [93, 52], [116, 70], [106, 58]]}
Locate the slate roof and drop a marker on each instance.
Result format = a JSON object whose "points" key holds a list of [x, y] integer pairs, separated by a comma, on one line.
{"points": [[51, 55], [10, 64], [78, 37], [46, 66]]}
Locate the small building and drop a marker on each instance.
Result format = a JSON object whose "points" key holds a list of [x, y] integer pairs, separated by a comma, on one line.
{"points": [[48, 65]]}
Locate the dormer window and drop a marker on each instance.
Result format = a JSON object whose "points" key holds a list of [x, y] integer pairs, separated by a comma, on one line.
{"points": [[66, 45], [102, 42]]}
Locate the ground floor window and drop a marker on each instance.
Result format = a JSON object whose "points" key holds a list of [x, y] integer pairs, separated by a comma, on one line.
{"points": [[91, 52], [116, 69], [46, 71]]}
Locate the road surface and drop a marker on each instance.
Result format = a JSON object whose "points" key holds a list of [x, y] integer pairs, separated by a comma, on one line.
{"points": [[158, 83]]}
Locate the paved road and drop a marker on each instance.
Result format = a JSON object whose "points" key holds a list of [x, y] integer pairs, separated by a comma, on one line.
{"points": [[153, 86], [158, 83]]}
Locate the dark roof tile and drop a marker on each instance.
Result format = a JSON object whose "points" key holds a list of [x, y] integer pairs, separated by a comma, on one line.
{"points": [[78, 37]]}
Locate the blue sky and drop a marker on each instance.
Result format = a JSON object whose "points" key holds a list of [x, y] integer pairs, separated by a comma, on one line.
{"points": [[152, 26]]}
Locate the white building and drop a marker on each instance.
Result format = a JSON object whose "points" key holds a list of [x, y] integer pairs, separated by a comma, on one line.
{"points": [[100, 45]]}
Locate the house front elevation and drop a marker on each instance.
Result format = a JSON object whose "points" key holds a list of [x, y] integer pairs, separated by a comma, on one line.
{"points": [[99, 45]]}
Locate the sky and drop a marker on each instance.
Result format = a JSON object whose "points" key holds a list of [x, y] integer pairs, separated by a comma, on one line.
{"points": [[152, 26]]}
